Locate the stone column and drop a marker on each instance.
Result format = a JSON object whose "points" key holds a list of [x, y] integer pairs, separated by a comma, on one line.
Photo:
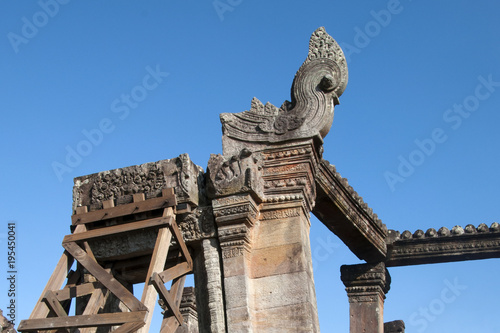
{"points": [[188, 311], [235, 217], [285, 298], [366, 286], [208, 281], [199, 232], [261, 206]]}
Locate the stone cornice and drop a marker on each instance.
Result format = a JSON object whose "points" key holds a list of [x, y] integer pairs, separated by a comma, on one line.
{"points": [[444, 245], [364, 279], [345, 213]]}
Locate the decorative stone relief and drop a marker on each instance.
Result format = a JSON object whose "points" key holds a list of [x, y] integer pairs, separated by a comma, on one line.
{"points": [[238, 174], [316, 88], [198, 224], [444, 245], [149, 178], [363, 280]]}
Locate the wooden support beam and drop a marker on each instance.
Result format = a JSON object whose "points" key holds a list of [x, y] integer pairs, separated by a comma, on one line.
{"points": [[180, 240], [158, 259], [129, 327], [53, 303], [165, 295], [117, 229], [69, 292], [95, 303], [167, 200], [55, 282], [81, 321], [104, 277], [175, 272], [170, 323]]}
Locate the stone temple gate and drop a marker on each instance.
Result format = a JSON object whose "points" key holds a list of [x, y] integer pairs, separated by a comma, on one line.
{"points": [[241, 227]]}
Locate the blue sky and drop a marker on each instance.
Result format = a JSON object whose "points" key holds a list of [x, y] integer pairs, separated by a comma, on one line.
{"points": [[416, 132]]}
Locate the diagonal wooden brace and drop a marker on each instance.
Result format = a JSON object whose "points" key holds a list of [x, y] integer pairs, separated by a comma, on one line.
{"points": [[104, 277]]}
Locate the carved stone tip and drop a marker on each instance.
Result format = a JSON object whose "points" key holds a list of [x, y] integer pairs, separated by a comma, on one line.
{"points": [[322, 46]]}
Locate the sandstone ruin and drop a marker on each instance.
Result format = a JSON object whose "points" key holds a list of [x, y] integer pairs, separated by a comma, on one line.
{"points": [[241, 227]]}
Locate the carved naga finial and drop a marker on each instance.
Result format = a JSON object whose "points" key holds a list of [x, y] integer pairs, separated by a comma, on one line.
{"points": [[316, 89]]}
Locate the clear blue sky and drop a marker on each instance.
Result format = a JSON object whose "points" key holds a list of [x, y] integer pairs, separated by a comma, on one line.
{"points": [[418, 71]]}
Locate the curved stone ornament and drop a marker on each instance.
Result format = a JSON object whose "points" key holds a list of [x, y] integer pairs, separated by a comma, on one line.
{"points": [[316, 89]]}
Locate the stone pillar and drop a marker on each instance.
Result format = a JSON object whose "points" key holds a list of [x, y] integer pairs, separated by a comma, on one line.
{"points": [[235, 217], [366, 286], [199, 232], [188, 311], [285, 298], [208, 282], [261, 206]]}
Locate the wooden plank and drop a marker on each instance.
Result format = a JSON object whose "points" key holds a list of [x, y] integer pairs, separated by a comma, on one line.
{"points": [[170, 323], [69, 292], [55, 282], [158, 259], [104, 277], [81, 321], [95, 303], [175, 272], [129, 327], [53, 303], [117, 229], [126, 209], [166, 297], [180, 240], [80, 229]]}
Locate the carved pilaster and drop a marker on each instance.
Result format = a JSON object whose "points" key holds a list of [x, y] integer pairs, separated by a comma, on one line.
{"points": [[209, 292], [288, 173], [366, 286], [188, 310], [236, 188]]}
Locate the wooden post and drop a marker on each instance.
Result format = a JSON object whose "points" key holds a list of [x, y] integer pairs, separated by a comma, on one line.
{"points": [[149, 294]]}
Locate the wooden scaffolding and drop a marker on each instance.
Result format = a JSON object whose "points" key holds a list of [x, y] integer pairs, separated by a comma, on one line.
{"points": [[51, 312]]}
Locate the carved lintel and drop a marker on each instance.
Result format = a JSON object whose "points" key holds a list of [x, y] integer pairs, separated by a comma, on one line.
{"points": [[119, 185], [365, 282], [317, 85]]}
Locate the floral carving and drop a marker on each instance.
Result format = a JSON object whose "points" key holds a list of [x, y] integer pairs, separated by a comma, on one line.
{"points": [[198, 224], [148, 179]]}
